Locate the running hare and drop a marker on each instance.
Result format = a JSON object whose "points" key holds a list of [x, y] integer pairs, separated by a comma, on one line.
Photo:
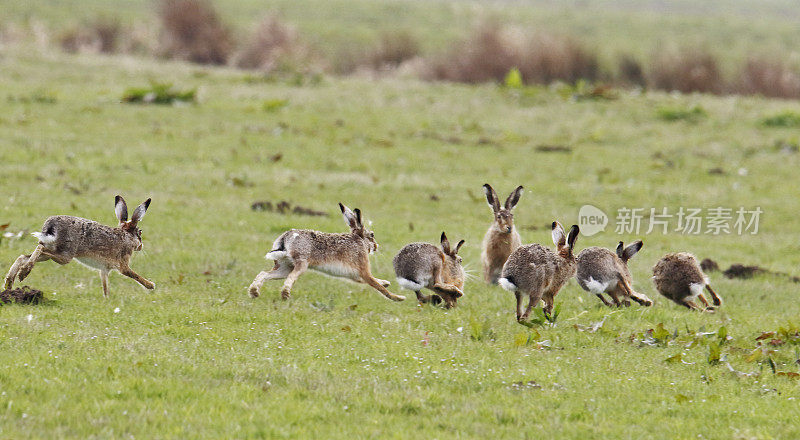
{"points": [[679, 277], [423, 265], [539, 272], [602, 271], [338, 255], [97, 246], [502, 237]]}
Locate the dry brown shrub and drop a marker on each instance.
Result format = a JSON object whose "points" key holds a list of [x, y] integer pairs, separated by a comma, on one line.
{"points": [[491, 52], [686, 71], [273, 42], [768, 77], [193, 31]]}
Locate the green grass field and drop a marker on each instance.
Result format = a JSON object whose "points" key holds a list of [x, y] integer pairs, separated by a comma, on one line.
{"points": [[198, 358]]}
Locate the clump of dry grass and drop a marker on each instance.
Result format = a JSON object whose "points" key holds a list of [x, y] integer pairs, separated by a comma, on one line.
{"points": [[492, 51], [193, 31], [101, 35], [768, 77], [686, 71], [546, 58], [273, 43], [630, 72], [486, 55], [393, 50]]}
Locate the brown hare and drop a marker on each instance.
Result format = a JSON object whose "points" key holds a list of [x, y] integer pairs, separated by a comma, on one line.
{"points": [[502, 237], [539, 272], [97, 246], [678, 276], [423, 266], [602, 271], [338, 255]]}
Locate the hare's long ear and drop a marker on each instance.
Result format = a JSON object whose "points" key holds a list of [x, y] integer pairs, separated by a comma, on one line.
{"points": [[138, 213], [358, 218], [631, 250], [620, 249], [445, 243], [121, 209], [513, 198], [349, 217], [559, 238], [458, 247], [573, 235], [491, 197]]}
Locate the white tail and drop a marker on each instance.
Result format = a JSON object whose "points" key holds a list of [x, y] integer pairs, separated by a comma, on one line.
{"points": [[508, 285]]}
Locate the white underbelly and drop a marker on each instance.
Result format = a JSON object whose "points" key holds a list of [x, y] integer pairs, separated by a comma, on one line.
{"points": [[336, 270], [93, 263]]}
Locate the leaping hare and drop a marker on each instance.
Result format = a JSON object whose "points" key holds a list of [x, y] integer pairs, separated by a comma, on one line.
{"points": [[539, 272], [96, 246], [338, 255], [679, 277], [502, 237], [602, 271], [423, 265]]}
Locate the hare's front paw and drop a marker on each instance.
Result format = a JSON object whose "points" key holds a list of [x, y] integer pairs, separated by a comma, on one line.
{"points": [[149, 285], [383, 283], [253, 292]]}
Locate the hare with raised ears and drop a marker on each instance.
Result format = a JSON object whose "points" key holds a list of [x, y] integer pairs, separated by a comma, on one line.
{"points": [[502, 237], [602, 271], [539, 272], [338, 255], [97, 246], [423, 266], [679, 277]]}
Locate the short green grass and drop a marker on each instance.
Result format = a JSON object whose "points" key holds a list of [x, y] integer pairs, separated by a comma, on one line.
{"points": [[198, 358]]}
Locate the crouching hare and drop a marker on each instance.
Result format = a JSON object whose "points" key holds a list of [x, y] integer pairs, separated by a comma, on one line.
{"points": [[602, 271], [423, 266], [97, 246], [502, 237], [539, 272], [678, 276], [338, 255]]}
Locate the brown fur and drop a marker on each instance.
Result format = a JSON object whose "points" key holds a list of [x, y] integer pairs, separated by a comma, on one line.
{"points": [[423, 265], [539, 272], [338, 255], [600, 267], [673, 276], [97, 246], [502, 237]]}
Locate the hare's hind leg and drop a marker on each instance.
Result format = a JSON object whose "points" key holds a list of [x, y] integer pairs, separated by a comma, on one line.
{"points": [[689, 304], [278, 272], [104, 280], [602, 298], [533, 300], [297, 270], [24, 264], [638, 297]]}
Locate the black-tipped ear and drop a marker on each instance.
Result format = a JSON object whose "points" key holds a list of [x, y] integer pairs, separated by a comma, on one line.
{"points": [[620, 248], [358, 217], [349, 217], [491, 197], [573, 235], [120, 209], [513, 198], [631, 250], [139, 212], [445, 243], [557, 232], [458, 247]]}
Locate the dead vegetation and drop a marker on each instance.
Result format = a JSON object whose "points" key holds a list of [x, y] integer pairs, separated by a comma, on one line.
{"points": [[273, 43], [191, 30], [685, 71]]}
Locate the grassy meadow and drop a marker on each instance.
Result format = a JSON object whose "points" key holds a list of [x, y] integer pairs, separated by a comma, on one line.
{"points": [[198, 358]]}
